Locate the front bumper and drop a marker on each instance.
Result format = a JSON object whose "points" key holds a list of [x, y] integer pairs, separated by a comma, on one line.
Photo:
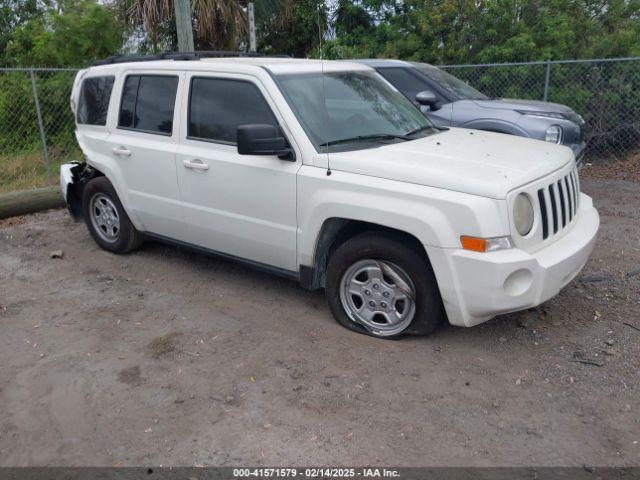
{"points": [[475, 287]]}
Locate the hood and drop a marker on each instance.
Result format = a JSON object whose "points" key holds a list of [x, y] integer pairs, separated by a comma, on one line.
{"points": [[531, 106], [518, 104], [469, 161]]}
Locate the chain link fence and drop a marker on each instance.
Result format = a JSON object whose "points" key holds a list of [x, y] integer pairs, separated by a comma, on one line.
{"points": [[36, 123], [605, 92], [36, 126]]}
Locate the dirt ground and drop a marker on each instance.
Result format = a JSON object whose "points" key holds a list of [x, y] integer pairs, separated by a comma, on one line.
{"points": [[166, 357]]}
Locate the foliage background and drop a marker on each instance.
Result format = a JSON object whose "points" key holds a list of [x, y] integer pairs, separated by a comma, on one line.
{"points": [[73, 33], [470, 31], [57, 33]]}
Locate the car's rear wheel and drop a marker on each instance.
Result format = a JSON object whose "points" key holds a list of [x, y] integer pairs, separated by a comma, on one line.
{"points": [[106, 219], [378, 285]]}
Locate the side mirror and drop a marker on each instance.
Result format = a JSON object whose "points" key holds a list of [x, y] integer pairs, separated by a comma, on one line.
{"points": [[263, 139], [427, 98]]}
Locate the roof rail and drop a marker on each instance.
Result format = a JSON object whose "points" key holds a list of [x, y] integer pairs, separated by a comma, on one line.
{"points": [[197, 55]]}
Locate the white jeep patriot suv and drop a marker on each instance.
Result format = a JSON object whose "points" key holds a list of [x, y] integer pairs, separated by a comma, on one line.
{"points": [[325, 173]]}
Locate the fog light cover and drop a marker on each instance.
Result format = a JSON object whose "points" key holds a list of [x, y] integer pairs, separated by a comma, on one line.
{"points": [[518, 282], [523, 214], [553, 134]]}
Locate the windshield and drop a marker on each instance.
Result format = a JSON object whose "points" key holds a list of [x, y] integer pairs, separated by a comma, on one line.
{"points": [[360, 110], [451, 83]]}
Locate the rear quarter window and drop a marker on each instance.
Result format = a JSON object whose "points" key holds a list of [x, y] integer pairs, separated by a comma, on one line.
{"points": [[93, 103]]}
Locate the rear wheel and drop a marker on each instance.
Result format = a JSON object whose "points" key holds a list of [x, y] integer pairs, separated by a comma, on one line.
{"points": [[378, 285], [106, 219]]}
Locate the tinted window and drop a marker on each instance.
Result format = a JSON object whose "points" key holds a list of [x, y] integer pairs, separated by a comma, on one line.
{"points": [[148, 102], [405, 81], [217, 107], [450, 83], [93, 103], [128, 103]]}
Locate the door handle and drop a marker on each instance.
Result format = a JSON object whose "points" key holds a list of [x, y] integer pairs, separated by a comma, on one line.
{"points": [[121, 151], [195, 164]]}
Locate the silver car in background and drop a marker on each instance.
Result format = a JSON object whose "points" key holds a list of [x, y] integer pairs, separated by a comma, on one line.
{"points": [[448, 101]]}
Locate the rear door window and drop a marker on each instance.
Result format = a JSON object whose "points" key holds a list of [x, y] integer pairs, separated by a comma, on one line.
{"points": [[93, 103], [218, 106], [148, 102]]}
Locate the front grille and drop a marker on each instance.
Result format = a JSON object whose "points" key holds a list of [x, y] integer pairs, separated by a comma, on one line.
{"points": [[559, 203]]}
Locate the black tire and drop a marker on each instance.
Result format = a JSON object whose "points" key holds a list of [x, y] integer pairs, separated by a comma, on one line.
{"points": [[128, 238], [429, 310]]}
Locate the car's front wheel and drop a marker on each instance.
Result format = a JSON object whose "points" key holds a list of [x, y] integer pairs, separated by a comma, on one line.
{"points": [[106, 219], [376, 284]]}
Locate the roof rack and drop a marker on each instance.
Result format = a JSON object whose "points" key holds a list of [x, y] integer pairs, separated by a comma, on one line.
{"points": [[197, 55]]}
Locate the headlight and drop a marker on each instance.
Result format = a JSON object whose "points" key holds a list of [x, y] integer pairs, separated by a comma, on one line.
{"points": [[523, 214], [553, 134]]}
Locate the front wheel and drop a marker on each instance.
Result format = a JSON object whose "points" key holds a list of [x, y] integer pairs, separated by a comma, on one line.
{"points": [[378, 285]]}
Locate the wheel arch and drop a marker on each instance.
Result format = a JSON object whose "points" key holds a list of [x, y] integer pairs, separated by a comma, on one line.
{"points": [[115, 178], [335, 231]]}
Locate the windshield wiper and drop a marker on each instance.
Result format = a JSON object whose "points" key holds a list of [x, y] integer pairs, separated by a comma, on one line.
{"points": [[364, 138], [418, 130]]}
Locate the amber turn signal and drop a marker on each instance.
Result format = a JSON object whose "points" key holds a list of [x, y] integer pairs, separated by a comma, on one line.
{"points": [[474, 244]]}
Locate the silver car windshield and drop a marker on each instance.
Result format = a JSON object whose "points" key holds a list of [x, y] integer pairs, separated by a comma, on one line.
{"points": [[342, 111], [451, 83]]}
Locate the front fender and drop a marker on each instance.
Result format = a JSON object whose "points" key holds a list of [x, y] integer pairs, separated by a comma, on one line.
{"points": [[434, 216]]}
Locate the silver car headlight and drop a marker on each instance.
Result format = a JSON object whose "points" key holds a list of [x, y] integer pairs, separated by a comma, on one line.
{"points": [[523, 214], [553, 134]]}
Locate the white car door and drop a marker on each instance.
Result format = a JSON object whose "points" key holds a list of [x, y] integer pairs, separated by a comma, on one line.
{"points": [[143, 145], [240, 205]]}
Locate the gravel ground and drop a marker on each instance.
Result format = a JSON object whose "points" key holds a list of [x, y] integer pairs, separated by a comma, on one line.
{"points": [[615, 169], [170, 357]]}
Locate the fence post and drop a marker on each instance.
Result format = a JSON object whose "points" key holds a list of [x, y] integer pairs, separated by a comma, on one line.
{"points": [[43, 136], [547, 76]]}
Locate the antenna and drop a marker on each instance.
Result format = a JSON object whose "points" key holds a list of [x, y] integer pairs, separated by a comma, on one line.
{"points": [[324, 95]]}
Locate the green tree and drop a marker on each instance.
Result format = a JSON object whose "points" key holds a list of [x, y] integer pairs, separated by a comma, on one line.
{"points": [[466, 31], [217, 24], [297, 32], [13, 13], [69, 33]]}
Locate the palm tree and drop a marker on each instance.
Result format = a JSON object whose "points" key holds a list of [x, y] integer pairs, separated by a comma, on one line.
{"points": [[218, 24]]}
